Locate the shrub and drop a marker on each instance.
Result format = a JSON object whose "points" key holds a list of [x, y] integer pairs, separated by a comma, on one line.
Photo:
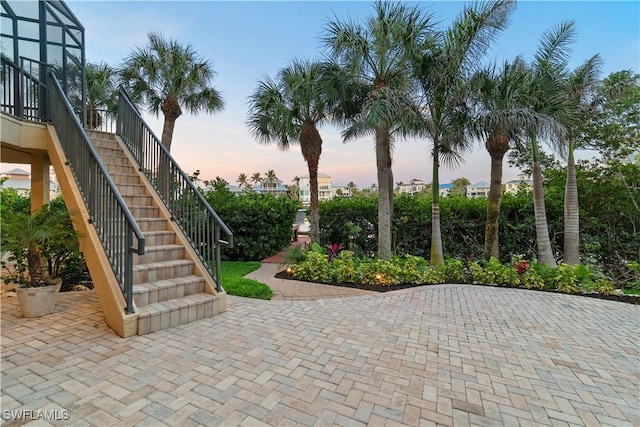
{"points": [[564, 279], [261, 224], [492, 273], [345, 267], [315, 268], [453, 270]]}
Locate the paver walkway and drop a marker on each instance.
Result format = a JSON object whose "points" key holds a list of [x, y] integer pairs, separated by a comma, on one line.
{"points": [[440, 355]]}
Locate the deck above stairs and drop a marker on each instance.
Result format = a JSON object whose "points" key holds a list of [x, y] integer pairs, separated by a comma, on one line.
{"points": [[169, 287]]}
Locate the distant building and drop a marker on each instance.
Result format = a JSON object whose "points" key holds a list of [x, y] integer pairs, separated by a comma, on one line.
{"points": [[18, 179], [325, 191], [445, 189], [521, 181], [340, 190], [415, 186], [276, 188], [479, 189]]}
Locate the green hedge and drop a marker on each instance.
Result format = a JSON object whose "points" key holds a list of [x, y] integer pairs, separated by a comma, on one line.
{"points": [[261, 224]]}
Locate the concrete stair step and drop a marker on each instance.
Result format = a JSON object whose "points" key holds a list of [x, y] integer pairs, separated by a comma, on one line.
{"points": [[179, 311], [132, 190], [138, 200], [142, 212], [159, 238], [154, 254], [124, 179], [164, 290], [163, 270], [152, 224]]}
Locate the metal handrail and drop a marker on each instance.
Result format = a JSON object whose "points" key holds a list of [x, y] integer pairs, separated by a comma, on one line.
{"points": [[108, 211], [188, 207], [23, 95]]}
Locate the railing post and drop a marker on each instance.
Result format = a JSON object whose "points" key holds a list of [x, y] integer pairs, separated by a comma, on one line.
{"points": [[216, 242], [128, 273]]}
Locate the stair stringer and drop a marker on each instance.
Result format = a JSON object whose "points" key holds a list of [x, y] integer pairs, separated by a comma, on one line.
{"points": [[199, 268], [110, 296]]}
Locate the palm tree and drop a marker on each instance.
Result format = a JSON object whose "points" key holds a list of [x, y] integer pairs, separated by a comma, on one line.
{"points": [[270, 178], [352, 187], [290, 109], [32, 234], [502, 97], [101, 92], [547, 97], [256, 178], [377, 55], [243, 181], [168, 76], [443, 70], [580, 86]]}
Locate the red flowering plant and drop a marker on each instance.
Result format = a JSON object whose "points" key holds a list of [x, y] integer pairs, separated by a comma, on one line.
{"points": [[522, 266], [333, 250]]}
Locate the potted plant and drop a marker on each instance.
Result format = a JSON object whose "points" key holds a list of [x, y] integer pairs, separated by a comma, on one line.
{"points": [[29, 239]]}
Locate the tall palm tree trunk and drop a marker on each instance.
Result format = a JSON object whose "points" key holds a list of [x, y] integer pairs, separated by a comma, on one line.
{"points": [[311, 145], [545, 252], [571, 212], [171, 111], [497, 145], [385, 190], [437, 251]]}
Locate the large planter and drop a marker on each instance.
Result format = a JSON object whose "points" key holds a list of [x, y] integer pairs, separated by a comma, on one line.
{"points": [[36, 302]]}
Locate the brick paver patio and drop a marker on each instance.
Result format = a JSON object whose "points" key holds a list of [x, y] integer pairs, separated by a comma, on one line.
{"points": [[441, 355]]}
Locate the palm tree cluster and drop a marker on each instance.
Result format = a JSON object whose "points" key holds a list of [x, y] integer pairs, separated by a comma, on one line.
{"points": [[397, 75]]}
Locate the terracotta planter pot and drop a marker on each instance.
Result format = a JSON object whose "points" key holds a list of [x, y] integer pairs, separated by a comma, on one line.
{"points": [[36, 302]]}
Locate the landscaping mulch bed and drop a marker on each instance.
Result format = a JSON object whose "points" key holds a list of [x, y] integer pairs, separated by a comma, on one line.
{"points": [[629, 299]]}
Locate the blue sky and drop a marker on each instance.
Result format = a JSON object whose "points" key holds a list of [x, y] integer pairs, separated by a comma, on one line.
{"points": [[247, 40]]}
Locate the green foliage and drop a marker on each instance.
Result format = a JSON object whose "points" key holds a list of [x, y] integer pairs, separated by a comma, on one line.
{"points": [[46, 239], [492, 273], [295, 255], [315, 268], [234, 283], [608, 220], [13, 203], [564, 279], [453, 270], [345, 267], [261, 223]]}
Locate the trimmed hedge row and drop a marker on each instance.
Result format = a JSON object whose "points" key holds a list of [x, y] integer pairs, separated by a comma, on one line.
{"points": [[261, 224]]}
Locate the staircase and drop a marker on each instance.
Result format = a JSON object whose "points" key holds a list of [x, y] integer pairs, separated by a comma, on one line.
{"points": [[168, 288]]}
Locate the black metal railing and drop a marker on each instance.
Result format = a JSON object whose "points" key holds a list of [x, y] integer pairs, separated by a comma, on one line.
{"points": [[189, 209], [109, 214], [23, 94], [101, 120]]}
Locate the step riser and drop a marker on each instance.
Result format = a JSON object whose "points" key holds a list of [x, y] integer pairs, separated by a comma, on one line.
{"points": [[150, 296], [138, 201], [132, 190], [120, 170], [125, 179], [175, 316], [161, 273], [158, 256], [168, 238], [110, 151], [115, 161], [150, 224], [144, 212]]}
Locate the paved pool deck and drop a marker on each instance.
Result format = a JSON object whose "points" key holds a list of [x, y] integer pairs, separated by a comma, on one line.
{"points": [[446, 355]]}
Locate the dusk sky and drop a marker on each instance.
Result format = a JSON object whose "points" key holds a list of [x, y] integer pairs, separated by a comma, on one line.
{"points": [[245, 41]]}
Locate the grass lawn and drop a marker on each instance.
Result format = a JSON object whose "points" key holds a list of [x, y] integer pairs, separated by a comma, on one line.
{"points": [[235, 284]]}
